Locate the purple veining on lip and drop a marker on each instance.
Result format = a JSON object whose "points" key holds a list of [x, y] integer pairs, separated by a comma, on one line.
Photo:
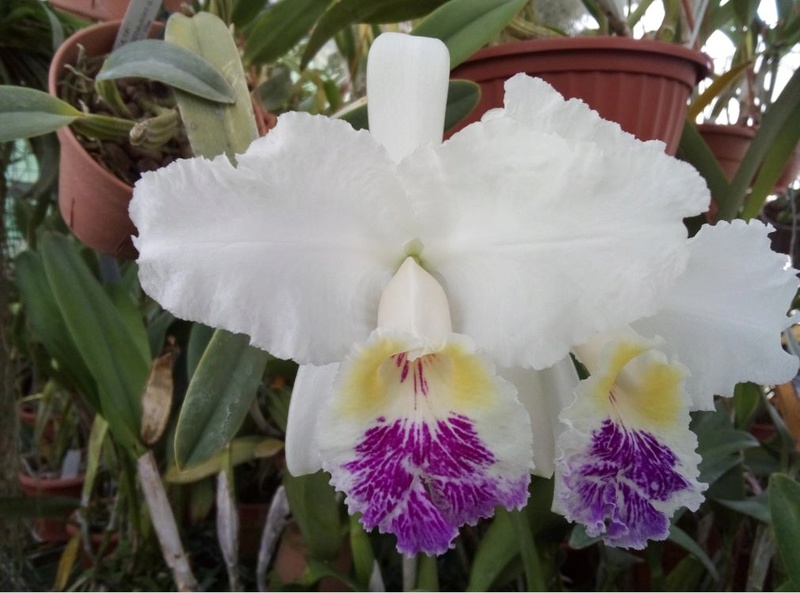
{"points": [[422, 481], [609, 488]]}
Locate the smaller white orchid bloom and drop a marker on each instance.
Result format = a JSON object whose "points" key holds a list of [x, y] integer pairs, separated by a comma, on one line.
{"points": [[399, 270], [626, 458]]}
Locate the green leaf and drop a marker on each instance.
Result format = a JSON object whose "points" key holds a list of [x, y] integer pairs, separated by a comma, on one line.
{"points": [[218, 397], [746, 399], [313, 503], [241, 450], [100, 332], [319, 570], [168, 63], [496, 550], [462, 97], [27, 112], [719, 444], [720, 85], [755, 506], [282, 27], [784, 505], [775, 160], [214, 129], [681, 538], [199, 337], [363, 556], [50, 328], [347, 12], [467, 25], [696, 152]]}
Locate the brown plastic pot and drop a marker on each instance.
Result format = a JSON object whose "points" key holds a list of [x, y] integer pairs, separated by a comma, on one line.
{"points": [[51, 529], [93, 202], [104, 10], [642, 85], [729, 144]]}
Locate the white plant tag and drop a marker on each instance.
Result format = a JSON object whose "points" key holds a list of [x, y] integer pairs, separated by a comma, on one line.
{"points": [[72, 464], [136, 23]]}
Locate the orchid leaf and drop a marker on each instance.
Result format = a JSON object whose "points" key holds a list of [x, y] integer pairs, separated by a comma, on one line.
{"points": [[681, 538], [50, 328], [170, 64], [462, 97], [754, 506], [241, 451], [695, 150], [775, 161], [213, 128], [313, 503], [347, 12], [722, 83], [282, 27], [218, 397], [784, 505], [467, 25], [102, 337], [27, 112]]}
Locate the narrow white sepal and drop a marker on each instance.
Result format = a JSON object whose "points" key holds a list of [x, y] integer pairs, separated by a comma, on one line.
{"points": [[414, 302], [312, 388], [407, 80]]}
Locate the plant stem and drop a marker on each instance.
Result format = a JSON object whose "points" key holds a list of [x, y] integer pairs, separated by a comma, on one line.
{"points": [[164, 522], [409, 573]]}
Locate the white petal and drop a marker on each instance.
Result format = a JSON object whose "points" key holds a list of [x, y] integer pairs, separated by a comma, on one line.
{"points": [[313, 387], [724, 316], [407, 80], [292, 247], [540, 241], [544, 394]]}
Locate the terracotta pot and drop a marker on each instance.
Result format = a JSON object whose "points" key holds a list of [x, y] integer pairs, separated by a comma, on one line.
{"points": [[729, 144], [93, 202], [105, 10], [642, 85], [51, 529]]}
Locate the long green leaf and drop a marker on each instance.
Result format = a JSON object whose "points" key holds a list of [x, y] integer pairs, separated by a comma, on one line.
{"points": [[213, 128], [720, 85], [50, 328], [347, 12], [102, 337], [467, 25], [241, 450], [218, 397], [694, 150], [281, 28], [27, 112], [170, 64], [681, 538], [496, 550], [775, 161], [313, 503], [784, 505]]}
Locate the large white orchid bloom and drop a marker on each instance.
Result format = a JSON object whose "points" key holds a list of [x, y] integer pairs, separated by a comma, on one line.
{"points": [[399, 269]]}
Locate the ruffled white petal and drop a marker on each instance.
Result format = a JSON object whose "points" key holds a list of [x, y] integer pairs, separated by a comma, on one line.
{"points": [[724, 316], [544, 394], [292, 247], [542, 236], [312, 388], [407, 80]]}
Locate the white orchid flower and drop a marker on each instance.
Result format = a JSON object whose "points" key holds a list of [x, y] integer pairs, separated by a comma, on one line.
{"points": [[409, 276], [626, 457]]}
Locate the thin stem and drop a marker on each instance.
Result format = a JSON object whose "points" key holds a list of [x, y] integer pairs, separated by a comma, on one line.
{"points": [[409, 573]]}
